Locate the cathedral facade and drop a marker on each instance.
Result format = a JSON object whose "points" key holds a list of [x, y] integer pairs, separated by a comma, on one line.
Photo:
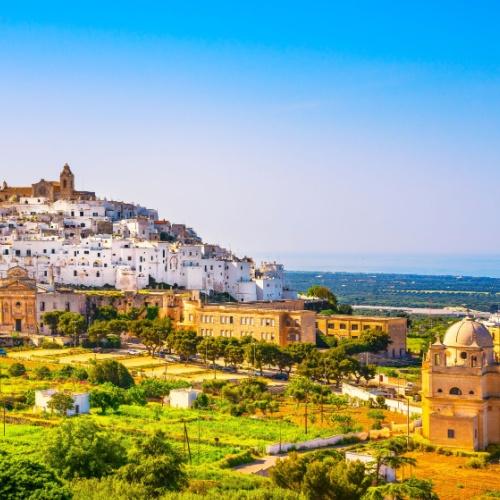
{"points": [[18, 302], [63, 189], [461, 389]]}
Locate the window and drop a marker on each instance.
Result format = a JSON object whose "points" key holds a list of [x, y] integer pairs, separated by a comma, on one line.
{"points": [[42, 306], [75, 273], [455, 391], [440, 391], [436, 359], [463, 355], [342, 326], [331, 325], [471, 393], [451, 434], [354, 327], [366, 327]]}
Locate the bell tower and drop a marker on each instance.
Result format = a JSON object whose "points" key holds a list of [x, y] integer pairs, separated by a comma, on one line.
{"points": [[67, 183]]}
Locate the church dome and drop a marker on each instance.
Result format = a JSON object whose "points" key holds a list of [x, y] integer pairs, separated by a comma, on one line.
{"points": [[466, 333]]}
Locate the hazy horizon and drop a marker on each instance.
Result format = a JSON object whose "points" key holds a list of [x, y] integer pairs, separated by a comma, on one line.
{"points": [[323, 129]]}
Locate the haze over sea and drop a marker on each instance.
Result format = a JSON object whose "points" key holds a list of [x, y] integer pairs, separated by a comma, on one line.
{"points": [[481, 265]]}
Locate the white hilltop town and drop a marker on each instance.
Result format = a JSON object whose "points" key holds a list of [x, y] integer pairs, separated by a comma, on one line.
{"points": [[62, 236]]}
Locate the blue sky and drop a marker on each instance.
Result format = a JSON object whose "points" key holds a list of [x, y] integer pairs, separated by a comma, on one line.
{"points": [[306, 127]]}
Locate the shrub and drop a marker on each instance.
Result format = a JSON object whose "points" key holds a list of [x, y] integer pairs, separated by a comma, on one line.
{"points": [[81, 373], [17, 370], [214, 387], [79, 448], [42, 373], [229, 461], [49, 344], [475, 463], [111, 371], [22, 477], [65, 372]]}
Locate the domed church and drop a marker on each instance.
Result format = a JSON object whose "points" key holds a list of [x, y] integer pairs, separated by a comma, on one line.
{"points": [[461, 388]]}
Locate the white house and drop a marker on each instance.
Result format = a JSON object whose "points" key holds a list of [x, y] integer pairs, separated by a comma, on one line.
{"points": [[81, 403], [183, 398]]}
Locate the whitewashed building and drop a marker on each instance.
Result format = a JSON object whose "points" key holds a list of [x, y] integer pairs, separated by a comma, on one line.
{"points": [[81, 402]]}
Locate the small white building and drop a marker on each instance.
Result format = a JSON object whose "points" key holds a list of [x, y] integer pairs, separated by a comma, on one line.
{"points": [[81, 403], [183, 398], [388, 473]]}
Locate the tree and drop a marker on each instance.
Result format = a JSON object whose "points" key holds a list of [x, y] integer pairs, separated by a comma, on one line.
{"points": [[234, 354], [73, 325], [209, 350], [185, 344], [289, 473], [323, 293], [364, 371], [25, 479], [411, 489], [321, 476], [321, 395], [301, 389], [259, 354], [51, 319], [299, 351], [111, 371], [378, 417], [65, 372], [80, 448], [344, 309], [155, 465], [389, 453], [340, 402], [17, 370], [98, 331], [106, 313], [117, 327], [375, 341], [337, 365], [106, 396], [284, 360], [61, 403], [136, 396], [42, 373], [154, 333]]}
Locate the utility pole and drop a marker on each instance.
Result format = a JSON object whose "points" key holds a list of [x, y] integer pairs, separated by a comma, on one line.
{"points": [[281, 421], [407, 423], [186, 440], [199, 438]]}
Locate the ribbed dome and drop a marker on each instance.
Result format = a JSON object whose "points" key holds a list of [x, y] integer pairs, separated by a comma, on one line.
{"points": [[466, 333]]}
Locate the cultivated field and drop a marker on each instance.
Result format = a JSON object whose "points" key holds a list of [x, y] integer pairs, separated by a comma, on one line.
{"points": [[452, 479]]}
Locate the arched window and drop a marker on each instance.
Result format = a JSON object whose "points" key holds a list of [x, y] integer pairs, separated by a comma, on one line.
{"points": [[455, 391], [473, 361], [471, 393], [463, 355], [440, 390]]}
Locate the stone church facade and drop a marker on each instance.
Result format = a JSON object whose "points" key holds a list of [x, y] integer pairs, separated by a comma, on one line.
{"points": [[18, 293], [461, 389], [64, 189]]}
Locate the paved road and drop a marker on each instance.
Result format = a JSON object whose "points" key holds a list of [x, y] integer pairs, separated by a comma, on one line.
{"points": [[260, 466]]}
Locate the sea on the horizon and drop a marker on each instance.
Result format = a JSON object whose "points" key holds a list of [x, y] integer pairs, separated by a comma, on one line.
{"points": [[485, 265]]}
